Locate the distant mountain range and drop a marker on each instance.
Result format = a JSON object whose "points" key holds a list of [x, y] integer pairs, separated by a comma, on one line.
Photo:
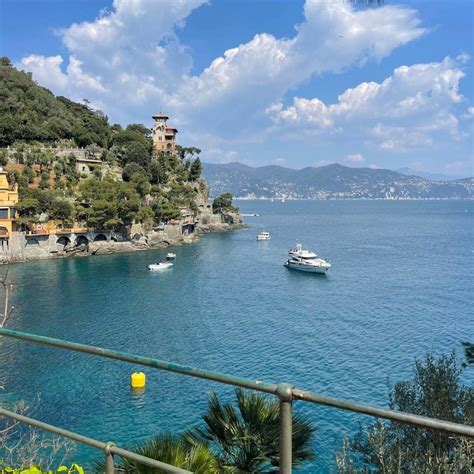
{"points": [[329, 182], [428, 175]]}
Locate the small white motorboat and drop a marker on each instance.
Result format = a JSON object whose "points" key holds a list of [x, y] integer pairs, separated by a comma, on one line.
{"points": [[170, 256], [264, 236], [160, 266], [306, 261]]}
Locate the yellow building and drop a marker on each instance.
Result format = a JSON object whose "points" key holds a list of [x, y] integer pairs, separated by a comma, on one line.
{"points": [[8, 200]]}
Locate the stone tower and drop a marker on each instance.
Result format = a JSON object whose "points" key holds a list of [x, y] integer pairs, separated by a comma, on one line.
{"points": [[164, 137]]}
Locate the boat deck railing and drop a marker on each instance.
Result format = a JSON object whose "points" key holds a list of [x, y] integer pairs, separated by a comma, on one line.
{"points": [[286, 393]]}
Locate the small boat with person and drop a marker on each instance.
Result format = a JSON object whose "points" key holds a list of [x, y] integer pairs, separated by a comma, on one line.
{"points": [[160, 266], [263, 235], [170, 256], [306, 261]]}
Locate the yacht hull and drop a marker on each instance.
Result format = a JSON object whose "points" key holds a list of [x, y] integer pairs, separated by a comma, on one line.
{"points": [[306, 268], [159, 266]]}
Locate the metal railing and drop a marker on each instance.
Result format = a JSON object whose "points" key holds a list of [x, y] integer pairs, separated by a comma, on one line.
{"points": [[285, 392], [109, 448]]}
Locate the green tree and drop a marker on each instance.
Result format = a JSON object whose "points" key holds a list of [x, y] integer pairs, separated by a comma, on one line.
{"points": [[139, 128], [28, 207], [28, 174], [434, 391], [103, 215], [136, 152], [145, 215], [131, 169], [166, 211], [223, 203], [3, 157], [177, 451], [62, 210], [469, 353], [157, 173], [195, 170], [44, 182], [246, 438], [141, 184]]}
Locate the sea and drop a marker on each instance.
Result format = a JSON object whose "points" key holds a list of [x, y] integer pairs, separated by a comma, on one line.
{"points": [[400, 286]]}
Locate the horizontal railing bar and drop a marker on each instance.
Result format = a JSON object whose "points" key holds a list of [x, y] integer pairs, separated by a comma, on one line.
{"points": [[145, 361], [54, 429], [394, 415], [93, 442], [258, 385]]}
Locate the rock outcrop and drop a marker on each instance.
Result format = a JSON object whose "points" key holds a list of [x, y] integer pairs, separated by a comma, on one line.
{"points": [[23, 247]]}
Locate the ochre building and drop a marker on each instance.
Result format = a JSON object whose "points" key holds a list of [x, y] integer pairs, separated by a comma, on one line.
{"points": [[164, 137], [8, 200]]}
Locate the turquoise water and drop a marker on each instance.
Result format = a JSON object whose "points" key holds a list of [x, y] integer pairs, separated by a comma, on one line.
{"points": [[401, 284]]}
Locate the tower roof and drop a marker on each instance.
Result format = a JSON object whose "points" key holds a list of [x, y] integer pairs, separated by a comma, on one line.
{"points": [[160, 115]]}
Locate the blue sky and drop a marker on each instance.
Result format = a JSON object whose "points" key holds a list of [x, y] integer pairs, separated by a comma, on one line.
{"points": [[285, 82]]}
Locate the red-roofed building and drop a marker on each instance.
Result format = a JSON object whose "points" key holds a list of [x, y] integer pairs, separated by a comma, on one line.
{"points": [[164, 137]]}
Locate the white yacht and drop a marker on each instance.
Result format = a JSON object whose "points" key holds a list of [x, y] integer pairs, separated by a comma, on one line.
{"points": [[264, 236], [306, 261], [170, 256], [160, 266]]}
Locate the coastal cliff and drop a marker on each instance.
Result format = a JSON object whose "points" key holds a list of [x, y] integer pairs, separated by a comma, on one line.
{"points": [[26, 246], [72, 184], [23, 247]]}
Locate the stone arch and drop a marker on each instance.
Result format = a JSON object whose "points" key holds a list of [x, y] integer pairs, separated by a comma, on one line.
{"points": [[63, 240], [100, 238], [114, 239], [82, 240]]}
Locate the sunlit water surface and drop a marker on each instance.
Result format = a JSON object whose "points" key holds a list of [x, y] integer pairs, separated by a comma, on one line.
{"points": [[400, 285]]}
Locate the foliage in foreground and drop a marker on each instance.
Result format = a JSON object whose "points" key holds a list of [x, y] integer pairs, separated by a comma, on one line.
{"points": [[435, 391], [179, 451], [75, 468], [234, 439], [246, 437]]}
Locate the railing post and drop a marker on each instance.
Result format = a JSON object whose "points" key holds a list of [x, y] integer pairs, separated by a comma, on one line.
{"points": [[284, 392], [109, 459]]}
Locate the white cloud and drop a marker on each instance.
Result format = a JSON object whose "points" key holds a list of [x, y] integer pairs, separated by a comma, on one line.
{"points": [[131, 61], [460, 167], [407, 110], [279, 161], [48, 70], [355, 158]]}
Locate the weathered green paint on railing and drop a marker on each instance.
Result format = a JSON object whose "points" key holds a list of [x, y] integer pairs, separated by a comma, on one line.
{"points": [[393, 415], [145, 361], [108, 448], [285, 392]]}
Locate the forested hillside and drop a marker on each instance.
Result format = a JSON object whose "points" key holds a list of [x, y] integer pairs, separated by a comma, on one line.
{"points": [[40, 136], [30, 112]]}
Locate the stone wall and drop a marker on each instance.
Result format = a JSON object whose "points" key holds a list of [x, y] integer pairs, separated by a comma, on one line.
{"points": [[22, 247]]}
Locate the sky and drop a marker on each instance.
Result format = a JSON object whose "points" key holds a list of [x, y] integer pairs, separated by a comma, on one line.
{"points": [[287, 82]]}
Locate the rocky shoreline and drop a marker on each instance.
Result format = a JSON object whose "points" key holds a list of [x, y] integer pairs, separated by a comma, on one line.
{"points": [[24, 248]]}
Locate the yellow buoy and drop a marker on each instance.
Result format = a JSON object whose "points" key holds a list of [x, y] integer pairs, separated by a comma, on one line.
{"points": [[138, 380]]}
